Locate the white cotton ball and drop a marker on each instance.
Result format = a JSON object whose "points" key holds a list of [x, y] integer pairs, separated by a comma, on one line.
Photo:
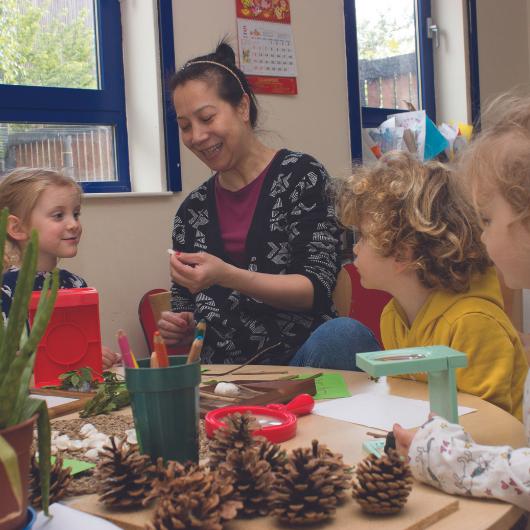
{"points": [[87, 429], [131, 436], [226, 389], [92, 454]]}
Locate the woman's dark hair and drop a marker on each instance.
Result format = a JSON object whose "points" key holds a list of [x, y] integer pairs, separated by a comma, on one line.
{"points": [[231, 83]]}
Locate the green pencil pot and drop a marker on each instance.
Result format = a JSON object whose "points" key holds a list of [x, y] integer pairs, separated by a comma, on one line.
{"points": [[165, 406]]}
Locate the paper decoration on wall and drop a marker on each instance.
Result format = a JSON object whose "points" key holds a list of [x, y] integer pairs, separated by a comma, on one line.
{"points": [[266, 49]]}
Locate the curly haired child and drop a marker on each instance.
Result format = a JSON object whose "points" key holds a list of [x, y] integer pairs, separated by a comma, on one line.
{"points": [[49, 202], [497, 169], [420, 242]]}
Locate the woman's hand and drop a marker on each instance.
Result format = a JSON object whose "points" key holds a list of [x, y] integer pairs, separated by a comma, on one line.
{"points": [[403, 439], [176, 328], [198, 271], [109, 357]]}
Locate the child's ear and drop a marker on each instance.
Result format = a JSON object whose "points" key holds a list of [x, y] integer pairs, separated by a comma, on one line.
{"points": [[16, 229]]}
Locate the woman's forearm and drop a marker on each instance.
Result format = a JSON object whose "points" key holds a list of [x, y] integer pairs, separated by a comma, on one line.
{"points": [[293, 292]]}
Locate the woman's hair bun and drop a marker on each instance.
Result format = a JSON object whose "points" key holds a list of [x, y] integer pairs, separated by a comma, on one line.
{"points": [[225, 53]]}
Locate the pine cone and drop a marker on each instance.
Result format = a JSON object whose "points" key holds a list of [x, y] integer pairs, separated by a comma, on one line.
{"points": [[311, 485], [124, 475], [198, 500], [164, 474], [273, 454], [382, 485], [236, 435], [59, 480], [252, 479]]}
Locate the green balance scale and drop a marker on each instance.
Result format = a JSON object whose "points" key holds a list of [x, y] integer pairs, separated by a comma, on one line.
{"points": [[440, 363]]}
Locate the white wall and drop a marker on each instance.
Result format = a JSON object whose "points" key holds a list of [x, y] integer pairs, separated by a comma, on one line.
{"points": [[123, 249]]}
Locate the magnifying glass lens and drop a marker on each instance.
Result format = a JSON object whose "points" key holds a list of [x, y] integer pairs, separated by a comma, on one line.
{"points": [[267, 421]]}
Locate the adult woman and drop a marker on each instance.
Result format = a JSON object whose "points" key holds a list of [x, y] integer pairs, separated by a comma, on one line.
{"points": [[257, 244]]}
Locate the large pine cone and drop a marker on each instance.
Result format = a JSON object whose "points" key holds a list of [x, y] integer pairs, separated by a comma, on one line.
{"points": [[382, 485], [59, 480], [124, 475], [236, 435], [311, 485], [252, 479], [273, 454], [198, 500]]}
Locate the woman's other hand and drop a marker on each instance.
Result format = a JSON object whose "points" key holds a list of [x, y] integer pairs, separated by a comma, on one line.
{"points": [[403, 439], [176, 328], [109, 357], [198, 271]]}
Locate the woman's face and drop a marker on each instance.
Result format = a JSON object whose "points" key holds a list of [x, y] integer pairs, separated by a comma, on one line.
{"points": [[507, 241], [215, 131]]}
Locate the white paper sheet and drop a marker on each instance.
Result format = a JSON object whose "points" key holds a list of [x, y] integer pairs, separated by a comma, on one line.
{"points": [[53, 401], [68, 518], [379, 412]]}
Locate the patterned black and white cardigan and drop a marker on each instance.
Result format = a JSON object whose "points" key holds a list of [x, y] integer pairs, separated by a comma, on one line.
{"points": [[293, 231]]}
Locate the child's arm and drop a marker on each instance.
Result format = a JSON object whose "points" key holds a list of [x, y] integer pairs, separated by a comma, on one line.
{"points": [[445, 456]]}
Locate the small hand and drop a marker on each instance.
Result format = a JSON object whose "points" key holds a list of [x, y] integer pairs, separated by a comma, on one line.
{"points": [[176, 328], [403, 439], [109, 357], [197, 271]]}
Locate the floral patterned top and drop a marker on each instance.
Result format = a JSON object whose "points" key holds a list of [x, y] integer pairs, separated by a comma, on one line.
{"points": [[445, 456]]}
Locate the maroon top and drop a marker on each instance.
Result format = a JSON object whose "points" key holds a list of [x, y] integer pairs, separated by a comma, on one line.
{"points": [[235, 210]]}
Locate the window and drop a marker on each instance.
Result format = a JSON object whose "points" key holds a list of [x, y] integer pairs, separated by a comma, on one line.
{"points": [[389, 58], [62, 101]]}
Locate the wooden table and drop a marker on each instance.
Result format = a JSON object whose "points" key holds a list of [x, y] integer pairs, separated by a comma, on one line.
{"points": [[488, 425]]}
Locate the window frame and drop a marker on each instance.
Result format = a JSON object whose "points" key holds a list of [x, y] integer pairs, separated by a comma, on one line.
{"points": [[371, 116], [103, 106]]}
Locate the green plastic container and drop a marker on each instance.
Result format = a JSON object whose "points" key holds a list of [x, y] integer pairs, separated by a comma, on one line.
{"points": [[165, 406]]}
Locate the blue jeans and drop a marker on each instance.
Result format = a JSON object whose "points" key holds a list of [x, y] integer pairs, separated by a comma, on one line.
{"points": [[334, 345]]}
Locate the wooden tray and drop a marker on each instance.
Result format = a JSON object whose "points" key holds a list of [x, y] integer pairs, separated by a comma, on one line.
{"points": [[255, 392], [80, 400]]}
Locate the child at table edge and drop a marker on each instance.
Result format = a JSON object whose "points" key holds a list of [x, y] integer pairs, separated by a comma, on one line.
{"points": [[51, 203], [419, 240], [497, 169]]}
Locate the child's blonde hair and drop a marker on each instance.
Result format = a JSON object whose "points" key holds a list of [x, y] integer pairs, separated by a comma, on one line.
{"points": [[19, 191], [499, 157], [414, 211]]}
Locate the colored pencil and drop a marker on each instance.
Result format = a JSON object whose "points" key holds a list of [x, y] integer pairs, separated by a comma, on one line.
{"points": [[153, 363], [160, 349], [195, 350], [200, 329], [135, 362], [125, 349]]}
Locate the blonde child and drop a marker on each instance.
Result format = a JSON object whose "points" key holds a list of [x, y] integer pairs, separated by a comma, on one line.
{"points": [[497, 167], [420, 242], [49, 202]]}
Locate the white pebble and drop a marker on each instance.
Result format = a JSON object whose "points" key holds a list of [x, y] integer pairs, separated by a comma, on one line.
{"points": [[131, 436], [92, 454], [87, 429], [62, 442], [226, 389], [76, 445]]}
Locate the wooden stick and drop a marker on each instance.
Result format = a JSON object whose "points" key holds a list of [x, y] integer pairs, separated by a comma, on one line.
{"points": [[253, 358]]}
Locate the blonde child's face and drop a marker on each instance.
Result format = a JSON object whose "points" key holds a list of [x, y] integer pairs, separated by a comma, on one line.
{"points": [[56, 218], [375, 271], [507, 241]]}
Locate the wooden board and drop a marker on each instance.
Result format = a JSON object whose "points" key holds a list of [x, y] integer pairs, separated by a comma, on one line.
{"points": [[81, 398], [425, 507], [254, 392]]}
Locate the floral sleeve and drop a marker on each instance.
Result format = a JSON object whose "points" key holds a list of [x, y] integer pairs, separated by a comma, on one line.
{"points": [[445, 456]]}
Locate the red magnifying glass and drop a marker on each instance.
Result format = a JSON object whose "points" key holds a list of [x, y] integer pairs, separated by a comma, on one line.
{"points": [[277, 422]]}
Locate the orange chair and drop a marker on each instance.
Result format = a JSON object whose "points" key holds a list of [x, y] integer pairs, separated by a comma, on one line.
{"points": [[151, 304]]}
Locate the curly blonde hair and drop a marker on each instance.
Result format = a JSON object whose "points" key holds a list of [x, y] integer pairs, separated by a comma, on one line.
{"points": [[19, 192], [414, 211], [498, 158]]}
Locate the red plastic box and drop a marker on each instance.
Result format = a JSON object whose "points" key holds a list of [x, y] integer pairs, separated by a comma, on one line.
{"points": [[72, 339]]}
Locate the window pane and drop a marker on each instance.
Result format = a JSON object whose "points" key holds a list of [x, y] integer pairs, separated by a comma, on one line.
{"points": [[84, 152], [386, 40], [48, 43]]}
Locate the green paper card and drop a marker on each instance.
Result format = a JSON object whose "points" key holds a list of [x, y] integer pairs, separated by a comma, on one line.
{"points": [[78, 466], [329, 386]]}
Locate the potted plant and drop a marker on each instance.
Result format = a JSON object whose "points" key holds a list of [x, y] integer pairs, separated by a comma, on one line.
{"points": [[18, 411]]}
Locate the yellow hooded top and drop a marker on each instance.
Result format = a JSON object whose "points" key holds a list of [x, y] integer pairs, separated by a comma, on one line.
{"points": [[473, 323]]}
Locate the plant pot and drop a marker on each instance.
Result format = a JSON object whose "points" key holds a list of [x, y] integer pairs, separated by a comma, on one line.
{"points": [[13, 516]]}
